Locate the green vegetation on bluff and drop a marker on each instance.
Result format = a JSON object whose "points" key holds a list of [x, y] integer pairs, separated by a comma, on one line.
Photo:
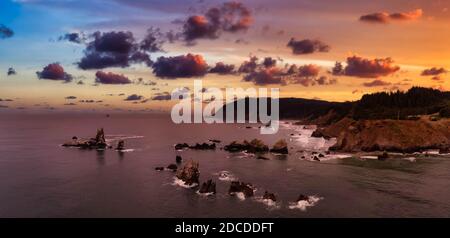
{"points": [[401, 105], [383, 105]]}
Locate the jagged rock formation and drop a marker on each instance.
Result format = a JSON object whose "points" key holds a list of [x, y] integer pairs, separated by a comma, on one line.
{"points": [[240, 187], [269, 196], [98, 142], [120, 145], [189, 174], [208, 187], [178, 159]]}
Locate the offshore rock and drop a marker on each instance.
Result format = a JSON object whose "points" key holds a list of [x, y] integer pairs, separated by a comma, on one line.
{"points": [[178, 159], [254, 146], [120, 145], [240, 187], [98, 142], [172, 167], [189, 174], [208, 187], [269, 196], [280, 147]]}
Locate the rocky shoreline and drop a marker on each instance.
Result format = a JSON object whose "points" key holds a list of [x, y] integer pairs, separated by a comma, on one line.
{"points": [[400, 136], [361, 138]]}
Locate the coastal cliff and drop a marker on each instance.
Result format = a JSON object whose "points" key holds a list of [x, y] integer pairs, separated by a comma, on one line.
{"points": [[406, 136], [410, 121]]}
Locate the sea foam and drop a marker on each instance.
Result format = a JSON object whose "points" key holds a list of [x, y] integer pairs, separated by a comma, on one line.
{"points": [[226, 176], [304, 204], [269, 203], [180, 183]]}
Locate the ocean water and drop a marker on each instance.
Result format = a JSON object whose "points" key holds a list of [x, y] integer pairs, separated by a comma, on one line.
{"points": [[39, 178]]}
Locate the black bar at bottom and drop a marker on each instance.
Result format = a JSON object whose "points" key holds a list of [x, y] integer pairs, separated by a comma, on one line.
{"points": [[225, 227]]}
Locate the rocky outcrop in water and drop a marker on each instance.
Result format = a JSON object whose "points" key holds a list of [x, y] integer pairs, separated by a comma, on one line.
{"points": [[172, 167], [302, 198], [181, 146], [254, 146], [208, 187], [203, 146], [178, 159], [120, 145], [98, 142], [197, 146], [189, 173], [269, 196], [280, 147], [240, 187]]}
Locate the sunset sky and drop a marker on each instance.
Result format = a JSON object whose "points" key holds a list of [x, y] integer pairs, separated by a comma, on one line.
{"points": [[99, 54]]}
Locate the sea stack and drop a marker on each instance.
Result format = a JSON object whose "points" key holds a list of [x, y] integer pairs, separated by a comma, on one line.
{"points": [[178, 159], [240, 187], [269, 196], [189, 174], [208, 187], [98, 142], [120, 145]]}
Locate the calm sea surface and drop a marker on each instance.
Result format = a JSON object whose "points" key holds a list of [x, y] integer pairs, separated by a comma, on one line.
{"points": [[39, 178]]}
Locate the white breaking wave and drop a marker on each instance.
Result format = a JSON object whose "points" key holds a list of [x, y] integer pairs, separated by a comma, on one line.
{"points": [[431, 152], [268, 202], [369, 157], [410, 159], [339, 156], [179, 182], [204, 194], [301, 136], [226, 176], [241, 155], [326, 157], [126, 150], [241, 196], [304, 204]]}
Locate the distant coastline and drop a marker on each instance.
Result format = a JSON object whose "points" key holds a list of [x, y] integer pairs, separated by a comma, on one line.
{"points": [[407, 122]]}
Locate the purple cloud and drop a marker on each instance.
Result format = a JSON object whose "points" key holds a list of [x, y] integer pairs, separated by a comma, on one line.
{"points": [[222, 68], [366, 68], [182, 66], [119, 49], [307, 46], [111, 78], [229, 17]]}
